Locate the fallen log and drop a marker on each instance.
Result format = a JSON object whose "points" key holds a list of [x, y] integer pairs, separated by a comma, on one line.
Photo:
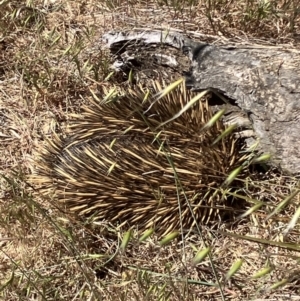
{"points": [[261, 83]]}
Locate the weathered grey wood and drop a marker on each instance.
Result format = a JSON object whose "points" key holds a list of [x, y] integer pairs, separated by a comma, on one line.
{"points": [[261, 82]]}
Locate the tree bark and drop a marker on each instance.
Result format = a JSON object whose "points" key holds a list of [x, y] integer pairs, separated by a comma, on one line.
{"points": [[262, 83]]}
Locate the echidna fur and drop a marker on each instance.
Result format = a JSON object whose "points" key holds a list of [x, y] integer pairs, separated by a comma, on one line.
{"points": [[114, 166]]}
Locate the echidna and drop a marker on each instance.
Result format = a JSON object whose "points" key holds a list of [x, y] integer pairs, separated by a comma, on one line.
{"points": [[115, 164]]}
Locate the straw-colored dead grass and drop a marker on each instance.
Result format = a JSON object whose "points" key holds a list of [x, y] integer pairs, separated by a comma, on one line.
{"points": [[49, 61]]}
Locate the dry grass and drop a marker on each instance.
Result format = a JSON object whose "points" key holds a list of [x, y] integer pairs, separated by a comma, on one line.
{"points": [[50, 59]]}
